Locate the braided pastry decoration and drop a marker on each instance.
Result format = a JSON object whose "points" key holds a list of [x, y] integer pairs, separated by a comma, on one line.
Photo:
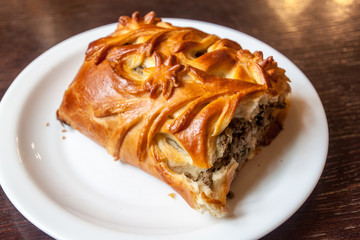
{"points": [[160, 97]]}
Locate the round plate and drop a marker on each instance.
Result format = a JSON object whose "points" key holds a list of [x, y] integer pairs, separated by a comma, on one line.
{"points": [[71, 188]]}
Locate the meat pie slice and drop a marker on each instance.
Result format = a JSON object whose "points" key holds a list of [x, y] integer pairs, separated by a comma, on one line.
{"points": [[183, 105]]}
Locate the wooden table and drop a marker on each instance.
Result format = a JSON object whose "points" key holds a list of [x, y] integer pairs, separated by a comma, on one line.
{"points": [[321, 37]]}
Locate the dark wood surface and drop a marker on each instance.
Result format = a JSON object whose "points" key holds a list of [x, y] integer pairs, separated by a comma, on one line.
{"points": [[321, 37]]}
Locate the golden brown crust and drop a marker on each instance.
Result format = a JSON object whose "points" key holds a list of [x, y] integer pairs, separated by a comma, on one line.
{"points": [[150, 80]]}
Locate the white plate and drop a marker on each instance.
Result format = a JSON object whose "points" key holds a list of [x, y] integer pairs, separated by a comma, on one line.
{"points": [[72, 189]]}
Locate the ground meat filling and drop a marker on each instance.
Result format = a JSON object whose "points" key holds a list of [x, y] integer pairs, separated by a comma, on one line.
{"points": [[247, 136]]}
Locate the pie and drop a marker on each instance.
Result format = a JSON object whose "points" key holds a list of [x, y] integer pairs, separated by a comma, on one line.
{"points": [[185, 106]]}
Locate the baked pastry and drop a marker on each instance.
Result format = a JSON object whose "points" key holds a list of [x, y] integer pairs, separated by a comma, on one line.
{"points": [[183, 105]]}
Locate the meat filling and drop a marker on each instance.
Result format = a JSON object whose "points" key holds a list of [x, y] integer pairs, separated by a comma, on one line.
{"points": [[242, 139]]}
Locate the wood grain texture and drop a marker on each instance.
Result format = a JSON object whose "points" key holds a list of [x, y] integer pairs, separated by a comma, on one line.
{"points": [[321, 37]]}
